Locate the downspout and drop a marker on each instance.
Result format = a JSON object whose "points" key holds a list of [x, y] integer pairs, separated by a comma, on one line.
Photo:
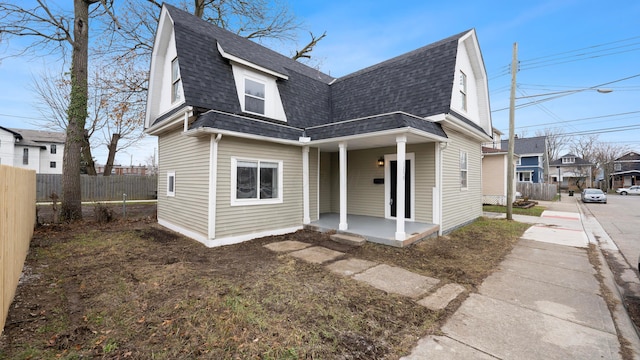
{"points": [[213, 183]]}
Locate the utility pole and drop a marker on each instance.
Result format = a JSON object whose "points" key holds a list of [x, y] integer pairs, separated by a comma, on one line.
{"points": [[512, 115]]}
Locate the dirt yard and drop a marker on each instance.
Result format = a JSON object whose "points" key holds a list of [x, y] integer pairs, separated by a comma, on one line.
{"points": [[130, 289]]}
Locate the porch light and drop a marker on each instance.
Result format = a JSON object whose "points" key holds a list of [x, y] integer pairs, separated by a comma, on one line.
{"points": [[380, 161]]}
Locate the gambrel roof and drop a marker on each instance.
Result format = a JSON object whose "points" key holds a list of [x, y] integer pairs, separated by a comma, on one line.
{"points": [[398, 93]]}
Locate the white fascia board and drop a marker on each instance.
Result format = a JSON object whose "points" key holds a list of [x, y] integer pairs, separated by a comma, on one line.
{"points": [[465, 128], [173, 120], [397, 131], [209, 130], [164, 14], [250, 64]]}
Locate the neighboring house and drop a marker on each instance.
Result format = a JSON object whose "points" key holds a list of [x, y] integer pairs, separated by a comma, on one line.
{"points": [[626, 170], [495, 166], [534, 163], [573, 172], [37, 150], [252, 143]]}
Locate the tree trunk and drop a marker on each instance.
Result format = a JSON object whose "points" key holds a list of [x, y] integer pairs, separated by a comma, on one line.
{"points": [[113, 147], [86, 155], [71, 208]]}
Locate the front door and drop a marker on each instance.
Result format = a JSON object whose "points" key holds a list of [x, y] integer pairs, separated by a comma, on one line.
{"points": [[393, 177]]}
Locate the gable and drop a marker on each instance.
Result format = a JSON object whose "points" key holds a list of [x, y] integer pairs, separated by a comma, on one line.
{"points": [[470, 95]]}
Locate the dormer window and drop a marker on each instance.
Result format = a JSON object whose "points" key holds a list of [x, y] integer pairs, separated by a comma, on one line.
{"points": [[463, 91], [254, 96], [568, 160], [176, 81], [617, 167]]}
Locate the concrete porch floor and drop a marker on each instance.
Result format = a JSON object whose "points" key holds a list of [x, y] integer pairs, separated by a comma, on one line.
{"points": [[375, 229]]}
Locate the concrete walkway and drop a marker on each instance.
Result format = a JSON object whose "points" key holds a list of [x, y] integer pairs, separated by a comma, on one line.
{"points": [[545, 301]]}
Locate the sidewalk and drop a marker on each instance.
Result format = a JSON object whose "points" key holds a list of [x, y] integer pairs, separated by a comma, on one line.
{"points": [[544, 302]]}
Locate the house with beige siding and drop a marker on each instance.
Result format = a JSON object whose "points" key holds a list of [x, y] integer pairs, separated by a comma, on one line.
{"points": [[252, 143]]}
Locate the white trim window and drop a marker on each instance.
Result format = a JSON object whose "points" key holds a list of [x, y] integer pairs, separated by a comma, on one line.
{"points": [[254, 96], [463, 91], [464, 170], [568, 160], [617, 167], [53, 149], [176, 81], [256, 182], [171, 183], [525, 176]]}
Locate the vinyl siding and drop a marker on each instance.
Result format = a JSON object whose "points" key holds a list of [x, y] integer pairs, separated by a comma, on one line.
{"points": [[247, 219], [188, 157], [325, 182], [460, 206], [493, 175], [366, 198]]}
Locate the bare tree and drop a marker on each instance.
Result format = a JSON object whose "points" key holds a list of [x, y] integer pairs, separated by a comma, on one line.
{"points": [[604, 156], [54, 28], [555, 141], [52, 93]]}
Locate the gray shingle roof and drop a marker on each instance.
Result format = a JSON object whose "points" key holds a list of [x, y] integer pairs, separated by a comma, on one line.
{"points": [[39, 137], [373, 124], [532, 145], [246, 125], [417, 83]]}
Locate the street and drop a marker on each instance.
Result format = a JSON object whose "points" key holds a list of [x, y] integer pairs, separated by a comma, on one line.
{"points": [[620, 218]]}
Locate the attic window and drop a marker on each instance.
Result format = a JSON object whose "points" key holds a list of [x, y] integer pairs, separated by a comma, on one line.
{"points": [[463, 91], [176, 81], [568, 160], [617, 167], [254, 93]]}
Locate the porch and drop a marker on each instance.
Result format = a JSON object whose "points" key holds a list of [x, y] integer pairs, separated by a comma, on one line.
{"points": [[375, 229]]}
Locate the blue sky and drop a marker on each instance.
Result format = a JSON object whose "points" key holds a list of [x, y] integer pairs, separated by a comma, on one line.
{"points": [[362, 33]]}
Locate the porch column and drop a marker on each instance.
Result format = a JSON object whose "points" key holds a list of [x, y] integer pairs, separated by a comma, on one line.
{"points": [[305, 185], [401, 155], [343, 186]]}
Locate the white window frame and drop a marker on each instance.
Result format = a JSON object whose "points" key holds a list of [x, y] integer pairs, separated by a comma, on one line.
{"points": [[171, 175], [25, 156], [52, 164], [617, 167], [521, 175], [463, 90], [263, 98], [464, 170], [176, 81], [53, 149], [568, 160], [519, 161], [234, 178]]}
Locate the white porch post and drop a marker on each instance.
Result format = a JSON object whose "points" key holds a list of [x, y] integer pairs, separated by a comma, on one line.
{"points": [[401, 155], [343, 186], [305, 185]]}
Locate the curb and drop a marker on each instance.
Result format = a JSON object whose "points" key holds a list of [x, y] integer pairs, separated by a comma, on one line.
{"points": [[625, 326]]}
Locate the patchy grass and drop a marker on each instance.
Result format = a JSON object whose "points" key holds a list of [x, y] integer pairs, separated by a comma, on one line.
{"points": [[142, 292], [533, 211]]}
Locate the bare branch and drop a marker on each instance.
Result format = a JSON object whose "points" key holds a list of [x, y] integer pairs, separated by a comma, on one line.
{"points": [[304, 52]]}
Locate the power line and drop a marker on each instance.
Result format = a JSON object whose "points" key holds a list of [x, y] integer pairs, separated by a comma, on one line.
{"points": [[566, 93], [20, 117], [582, 119]]}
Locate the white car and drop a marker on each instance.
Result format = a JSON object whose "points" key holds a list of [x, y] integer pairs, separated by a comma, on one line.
{"points": [[632, 190]]}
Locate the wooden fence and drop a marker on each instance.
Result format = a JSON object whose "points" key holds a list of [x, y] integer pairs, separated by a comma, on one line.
{"points": [[535, 191], [17, 219], [101, 188]]}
